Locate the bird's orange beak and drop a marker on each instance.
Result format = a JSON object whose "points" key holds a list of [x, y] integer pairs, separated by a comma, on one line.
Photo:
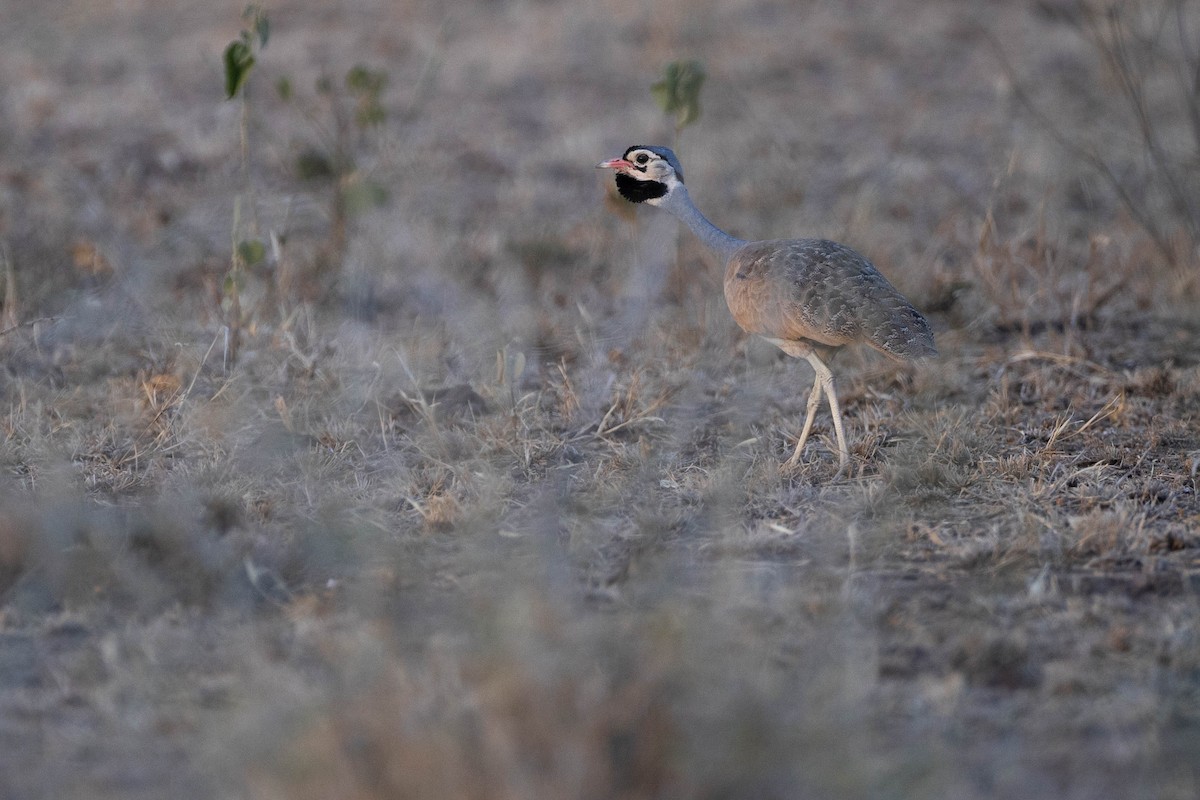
{"points": [[615, 163]]}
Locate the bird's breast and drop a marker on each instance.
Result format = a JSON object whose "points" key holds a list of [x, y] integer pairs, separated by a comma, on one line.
{"points": [[763, 305]]}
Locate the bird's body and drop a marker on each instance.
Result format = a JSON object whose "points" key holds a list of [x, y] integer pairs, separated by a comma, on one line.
{"points": [[824, 293], [808, 297]]}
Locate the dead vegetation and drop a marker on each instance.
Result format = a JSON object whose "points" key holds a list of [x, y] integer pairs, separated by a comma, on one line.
{"points": [[500, 514]]}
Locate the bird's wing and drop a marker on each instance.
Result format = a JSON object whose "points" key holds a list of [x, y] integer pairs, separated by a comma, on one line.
{"points": [[822, 291]]}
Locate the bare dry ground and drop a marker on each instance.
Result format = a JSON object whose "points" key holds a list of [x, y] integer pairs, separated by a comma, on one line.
{"points": [[489, 503]]}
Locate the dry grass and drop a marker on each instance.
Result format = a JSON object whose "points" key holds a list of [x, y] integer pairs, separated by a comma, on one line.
{"points": [[492, 506]]}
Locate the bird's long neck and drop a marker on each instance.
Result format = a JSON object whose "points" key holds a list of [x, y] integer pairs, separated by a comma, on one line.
{"points": [[680, 204]]}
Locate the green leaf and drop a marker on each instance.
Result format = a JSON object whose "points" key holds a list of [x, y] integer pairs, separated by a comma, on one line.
{"points": [[238, 61], [369, 114], [363, 80], [263, 28], [363, 195], [258, 23], [678, 92], [284, 87], [251, 251], [661, 91], [233, 284], [367, 85], [312, 164]]}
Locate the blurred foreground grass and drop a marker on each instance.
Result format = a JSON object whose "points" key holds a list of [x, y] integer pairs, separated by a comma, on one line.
{"points": [[489, 504]]}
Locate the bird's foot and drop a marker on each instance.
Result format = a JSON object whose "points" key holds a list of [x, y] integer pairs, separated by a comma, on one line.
{"points": [[794, 463]]}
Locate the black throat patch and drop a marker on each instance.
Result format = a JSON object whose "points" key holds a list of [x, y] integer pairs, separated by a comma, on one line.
{"points": [[636, 191]]}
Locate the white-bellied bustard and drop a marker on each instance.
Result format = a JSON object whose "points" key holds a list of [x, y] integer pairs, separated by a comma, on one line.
{"points": [[809, 297]]}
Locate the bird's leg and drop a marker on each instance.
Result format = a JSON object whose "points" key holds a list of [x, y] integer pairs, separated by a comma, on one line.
{"points": [[825, 381], [814, 400]]}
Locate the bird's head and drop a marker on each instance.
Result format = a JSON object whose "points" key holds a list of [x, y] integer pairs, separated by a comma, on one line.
{"points": [[646, 174]]}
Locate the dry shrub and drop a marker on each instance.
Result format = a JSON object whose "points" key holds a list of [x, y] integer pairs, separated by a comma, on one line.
{"points": [[14, 550], [142, 560], [484, 728], [921, 472], [1144, 107], [1108, 533], [1001, 662], [1034, 285]]}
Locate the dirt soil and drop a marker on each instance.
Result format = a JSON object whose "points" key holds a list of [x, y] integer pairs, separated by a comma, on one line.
{"points": [[463, 483]]}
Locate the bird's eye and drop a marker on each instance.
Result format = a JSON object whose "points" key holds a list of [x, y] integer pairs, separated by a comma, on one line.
{"points": [[641, 158]]}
